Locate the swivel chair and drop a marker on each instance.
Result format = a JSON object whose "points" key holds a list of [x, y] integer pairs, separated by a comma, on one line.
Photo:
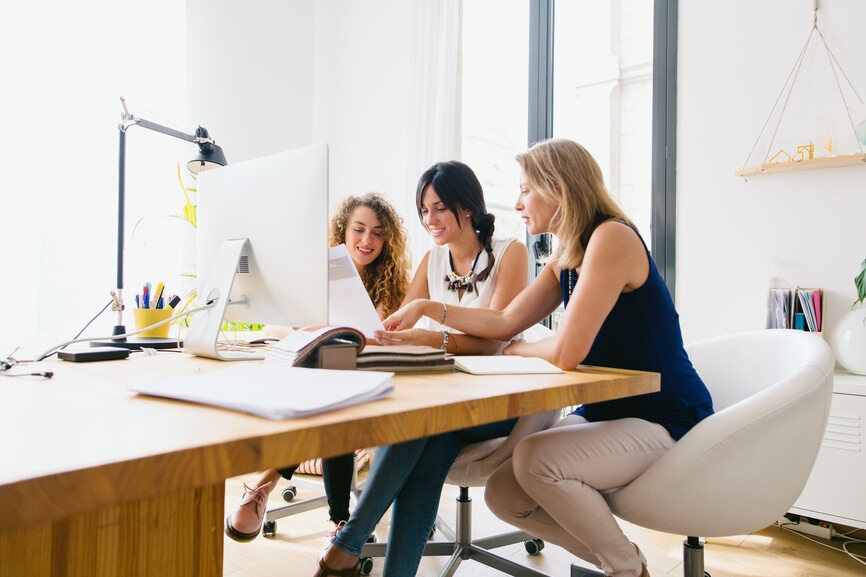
{"points": [[742, 468], [292, 507], [474, 464]]}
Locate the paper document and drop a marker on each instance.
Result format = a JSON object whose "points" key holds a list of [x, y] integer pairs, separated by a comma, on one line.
{"points": [[503, 365], [275, 391], [348, 302]]}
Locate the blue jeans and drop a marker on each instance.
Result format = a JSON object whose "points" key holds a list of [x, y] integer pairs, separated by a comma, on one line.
{"points": [[411, 476]]}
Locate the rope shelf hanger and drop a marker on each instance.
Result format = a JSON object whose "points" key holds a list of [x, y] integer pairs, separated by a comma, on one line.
{"points": [[804, 156]]}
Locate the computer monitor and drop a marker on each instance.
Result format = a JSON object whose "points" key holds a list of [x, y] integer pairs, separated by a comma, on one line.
{"points": [[263, 243]]}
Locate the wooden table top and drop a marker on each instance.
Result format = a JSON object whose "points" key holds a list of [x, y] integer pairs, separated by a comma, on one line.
{"points": [[82, 440]]}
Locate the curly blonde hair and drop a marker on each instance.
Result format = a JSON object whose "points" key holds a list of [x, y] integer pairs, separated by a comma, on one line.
{"points": [[565, 173], [386, 278]]}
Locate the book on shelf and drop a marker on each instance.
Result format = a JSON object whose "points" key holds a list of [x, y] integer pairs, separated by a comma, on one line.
{"points": [[799, 309]]}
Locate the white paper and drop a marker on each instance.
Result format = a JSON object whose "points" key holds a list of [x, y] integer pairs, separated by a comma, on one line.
{"points": [[275, 391], [503, 365], [348, 302]]}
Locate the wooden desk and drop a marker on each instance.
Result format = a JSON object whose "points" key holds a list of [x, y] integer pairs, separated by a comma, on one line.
{"points": [[95, 480]]}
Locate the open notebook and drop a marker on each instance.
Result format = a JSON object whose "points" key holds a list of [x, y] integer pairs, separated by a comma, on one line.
{"points": [[504, 365]]}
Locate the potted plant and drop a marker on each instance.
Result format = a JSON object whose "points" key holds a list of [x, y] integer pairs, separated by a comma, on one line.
{"points": [[849, 335]]}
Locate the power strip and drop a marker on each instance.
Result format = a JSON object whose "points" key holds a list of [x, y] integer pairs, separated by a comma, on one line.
{"points": [[822, 530]]}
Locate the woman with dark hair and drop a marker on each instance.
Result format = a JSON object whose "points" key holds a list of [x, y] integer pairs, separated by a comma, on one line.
{"points": [[466, 268]]}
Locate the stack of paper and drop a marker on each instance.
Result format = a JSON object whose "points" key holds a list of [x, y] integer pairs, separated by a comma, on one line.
{"points": [[275, 391], [404, 359]]}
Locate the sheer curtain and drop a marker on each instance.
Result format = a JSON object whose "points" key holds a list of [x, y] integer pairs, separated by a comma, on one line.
{"points": [[435, 104]]}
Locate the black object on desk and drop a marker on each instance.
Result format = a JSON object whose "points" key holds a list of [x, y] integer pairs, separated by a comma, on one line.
{"points": [[94, 354]]}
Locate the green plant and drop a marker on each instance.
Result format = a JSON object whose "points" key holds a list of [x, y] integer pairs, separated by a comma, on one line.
{"points": [[860, 283]]}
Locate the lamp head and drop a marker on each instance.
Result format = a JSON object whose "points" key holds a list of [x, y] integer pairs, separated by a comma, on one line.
{"points": [[209, 154]]}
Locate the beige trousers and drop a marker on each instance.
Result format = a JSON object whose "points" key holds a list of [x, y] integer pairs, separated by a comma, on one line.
{"points": [[553, 486]]}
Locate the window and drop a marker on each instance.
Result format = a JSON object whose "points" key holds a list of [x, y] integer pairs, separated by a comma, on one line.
{"points": [[601, 73]]}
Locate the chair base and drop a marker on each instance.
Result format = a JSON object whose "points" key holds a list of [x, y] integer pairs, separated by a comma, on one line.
{"points": [[269, 527], [693, 561], [462, 547]]}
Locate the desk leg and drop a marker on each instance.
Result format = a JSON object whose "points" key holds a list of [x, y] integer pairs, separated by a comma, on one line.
{"points": [[176, 535]]}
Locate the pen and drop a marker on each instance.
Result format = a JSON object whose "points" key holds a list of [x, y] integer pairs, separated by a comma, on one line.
{"points": [[138, 301], [158, 295], [174, 301], [144, 298]]}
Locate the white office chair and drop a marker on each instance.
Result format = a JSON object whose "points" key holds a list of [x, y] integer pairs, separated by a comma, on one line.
{"points": [[742, 468], [474, 464]]}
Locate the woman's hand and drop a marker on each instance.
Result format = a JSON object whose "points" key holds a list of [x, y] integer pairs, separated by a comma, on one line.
{"points": [[407, 337], [516, 347], [406, 317]]}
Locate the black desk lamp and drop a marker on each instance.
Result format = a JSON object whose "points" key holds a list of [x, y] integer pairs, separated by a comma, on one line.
{"points": [[209, 156]]}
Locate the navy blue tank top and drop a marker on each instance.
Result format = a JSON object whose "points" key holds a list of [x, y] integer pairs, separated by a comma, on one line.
{"points": [[642, 332]]}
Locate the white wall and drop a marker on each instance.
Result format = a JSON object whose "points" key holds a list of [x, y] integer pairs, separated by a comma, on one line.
{"points": [[733, 235], [292, 73], [340, 72]]}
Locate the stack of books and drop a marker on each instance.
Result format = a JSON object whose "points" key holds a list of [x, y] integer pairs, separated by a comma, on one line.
{"points": [[304, 347], [404, 359]]}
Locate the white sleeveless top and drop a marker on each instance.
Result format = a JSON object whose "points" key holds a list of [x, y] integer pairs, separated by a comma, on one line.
{"points": [[438, 267]]}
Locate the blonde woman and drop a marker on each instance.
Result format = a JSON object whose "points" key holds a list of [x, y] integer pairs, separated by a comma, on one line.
{"points": [[618, 313]]}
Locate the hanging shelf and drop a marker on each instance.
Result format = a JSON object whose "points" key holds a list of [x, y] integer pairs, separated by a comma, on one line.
{"points": [[806, 164], [804, 158]]}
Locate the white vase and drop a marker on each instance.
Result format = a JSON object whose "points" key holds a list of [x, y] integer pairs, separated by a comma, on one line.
{"points": [[849, 341]]}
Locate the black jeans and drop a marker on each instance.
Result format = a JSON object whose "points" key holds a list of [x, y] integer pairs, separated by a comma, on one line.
{"points": [[337, 476]]}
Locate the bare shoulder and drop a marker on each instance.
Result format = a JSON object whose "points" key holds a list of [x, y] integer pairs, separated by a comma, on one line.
{"points": [[615, 234], [514, 252]]}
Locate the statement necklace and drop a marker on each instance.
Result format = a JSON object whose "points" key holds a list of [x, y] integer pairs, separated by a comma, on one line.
{"points": [[456, 281]]}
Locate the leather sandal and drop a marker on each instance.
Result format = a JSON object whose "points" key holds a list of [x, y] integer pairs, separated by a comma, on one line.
{"points": [[350, 572]]}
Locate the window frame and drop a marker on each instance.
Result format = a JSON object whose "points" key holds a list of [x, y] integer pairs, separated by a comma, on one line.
{"points": [[541, 31]]}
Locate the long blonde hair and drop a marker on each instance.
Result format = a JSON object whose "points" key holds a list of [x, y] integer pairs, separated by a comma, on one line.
{"points": [[386, 278], [564, 173]]}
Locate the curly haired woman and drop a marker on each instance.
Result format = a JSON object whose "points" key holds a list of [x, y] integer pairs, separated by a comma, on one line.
{"points": [[375, 238]]}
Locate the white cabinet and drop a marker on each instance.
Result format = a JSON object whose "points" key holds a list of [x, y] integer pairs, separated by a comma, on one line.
{"points": [[836, 490]]}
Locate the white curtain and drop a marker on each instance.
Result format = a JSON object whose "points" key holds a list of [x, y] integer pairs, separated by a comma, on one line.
{"points": [[434, 97]]}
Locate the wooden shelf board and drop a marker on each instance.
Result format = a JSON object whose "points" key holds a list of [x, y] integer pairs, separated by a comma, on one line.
{"points": [[829, 162]]}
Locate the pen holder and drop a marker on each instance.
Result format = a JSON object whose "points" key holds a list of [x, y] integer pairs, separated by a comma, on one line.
{"points": [[146, 317]]}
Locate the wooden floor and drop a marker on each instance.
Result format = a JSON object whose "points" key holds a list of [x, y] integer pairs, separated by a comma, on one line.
{"points": [[773, 552]]}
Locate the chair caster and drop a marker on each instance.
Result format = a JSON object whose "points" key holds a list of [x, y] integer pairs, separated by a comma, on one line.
{"points": [[372, 538], [289, 493], [365, 565], [533, 546], [269, 529]]}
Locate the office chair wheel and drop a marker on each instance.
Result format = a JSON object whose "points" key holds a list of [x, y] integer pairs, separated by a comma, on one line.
{"points": [[289, 493], [533, 546], [269, 529], [365, 565], [372, 538]]}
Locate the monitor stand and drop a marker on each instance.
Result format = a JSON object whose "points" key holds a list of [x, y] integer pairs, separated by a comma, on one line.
{"points": [[201, 338]]}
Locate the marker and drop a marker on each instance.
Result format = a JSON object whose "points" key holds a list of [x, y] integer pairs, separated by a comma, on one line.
{"points": [[174, 301], [158, 295]]}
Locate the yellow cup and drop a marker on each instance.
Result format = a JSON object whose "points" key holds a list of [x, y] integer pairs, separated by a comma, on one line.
{"points": [[146, 317]]}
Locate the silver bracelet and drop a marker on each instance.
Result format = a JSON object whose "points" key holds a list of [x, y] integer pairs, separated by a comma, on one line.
{"points": [[444, 312], [444, 345]]}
